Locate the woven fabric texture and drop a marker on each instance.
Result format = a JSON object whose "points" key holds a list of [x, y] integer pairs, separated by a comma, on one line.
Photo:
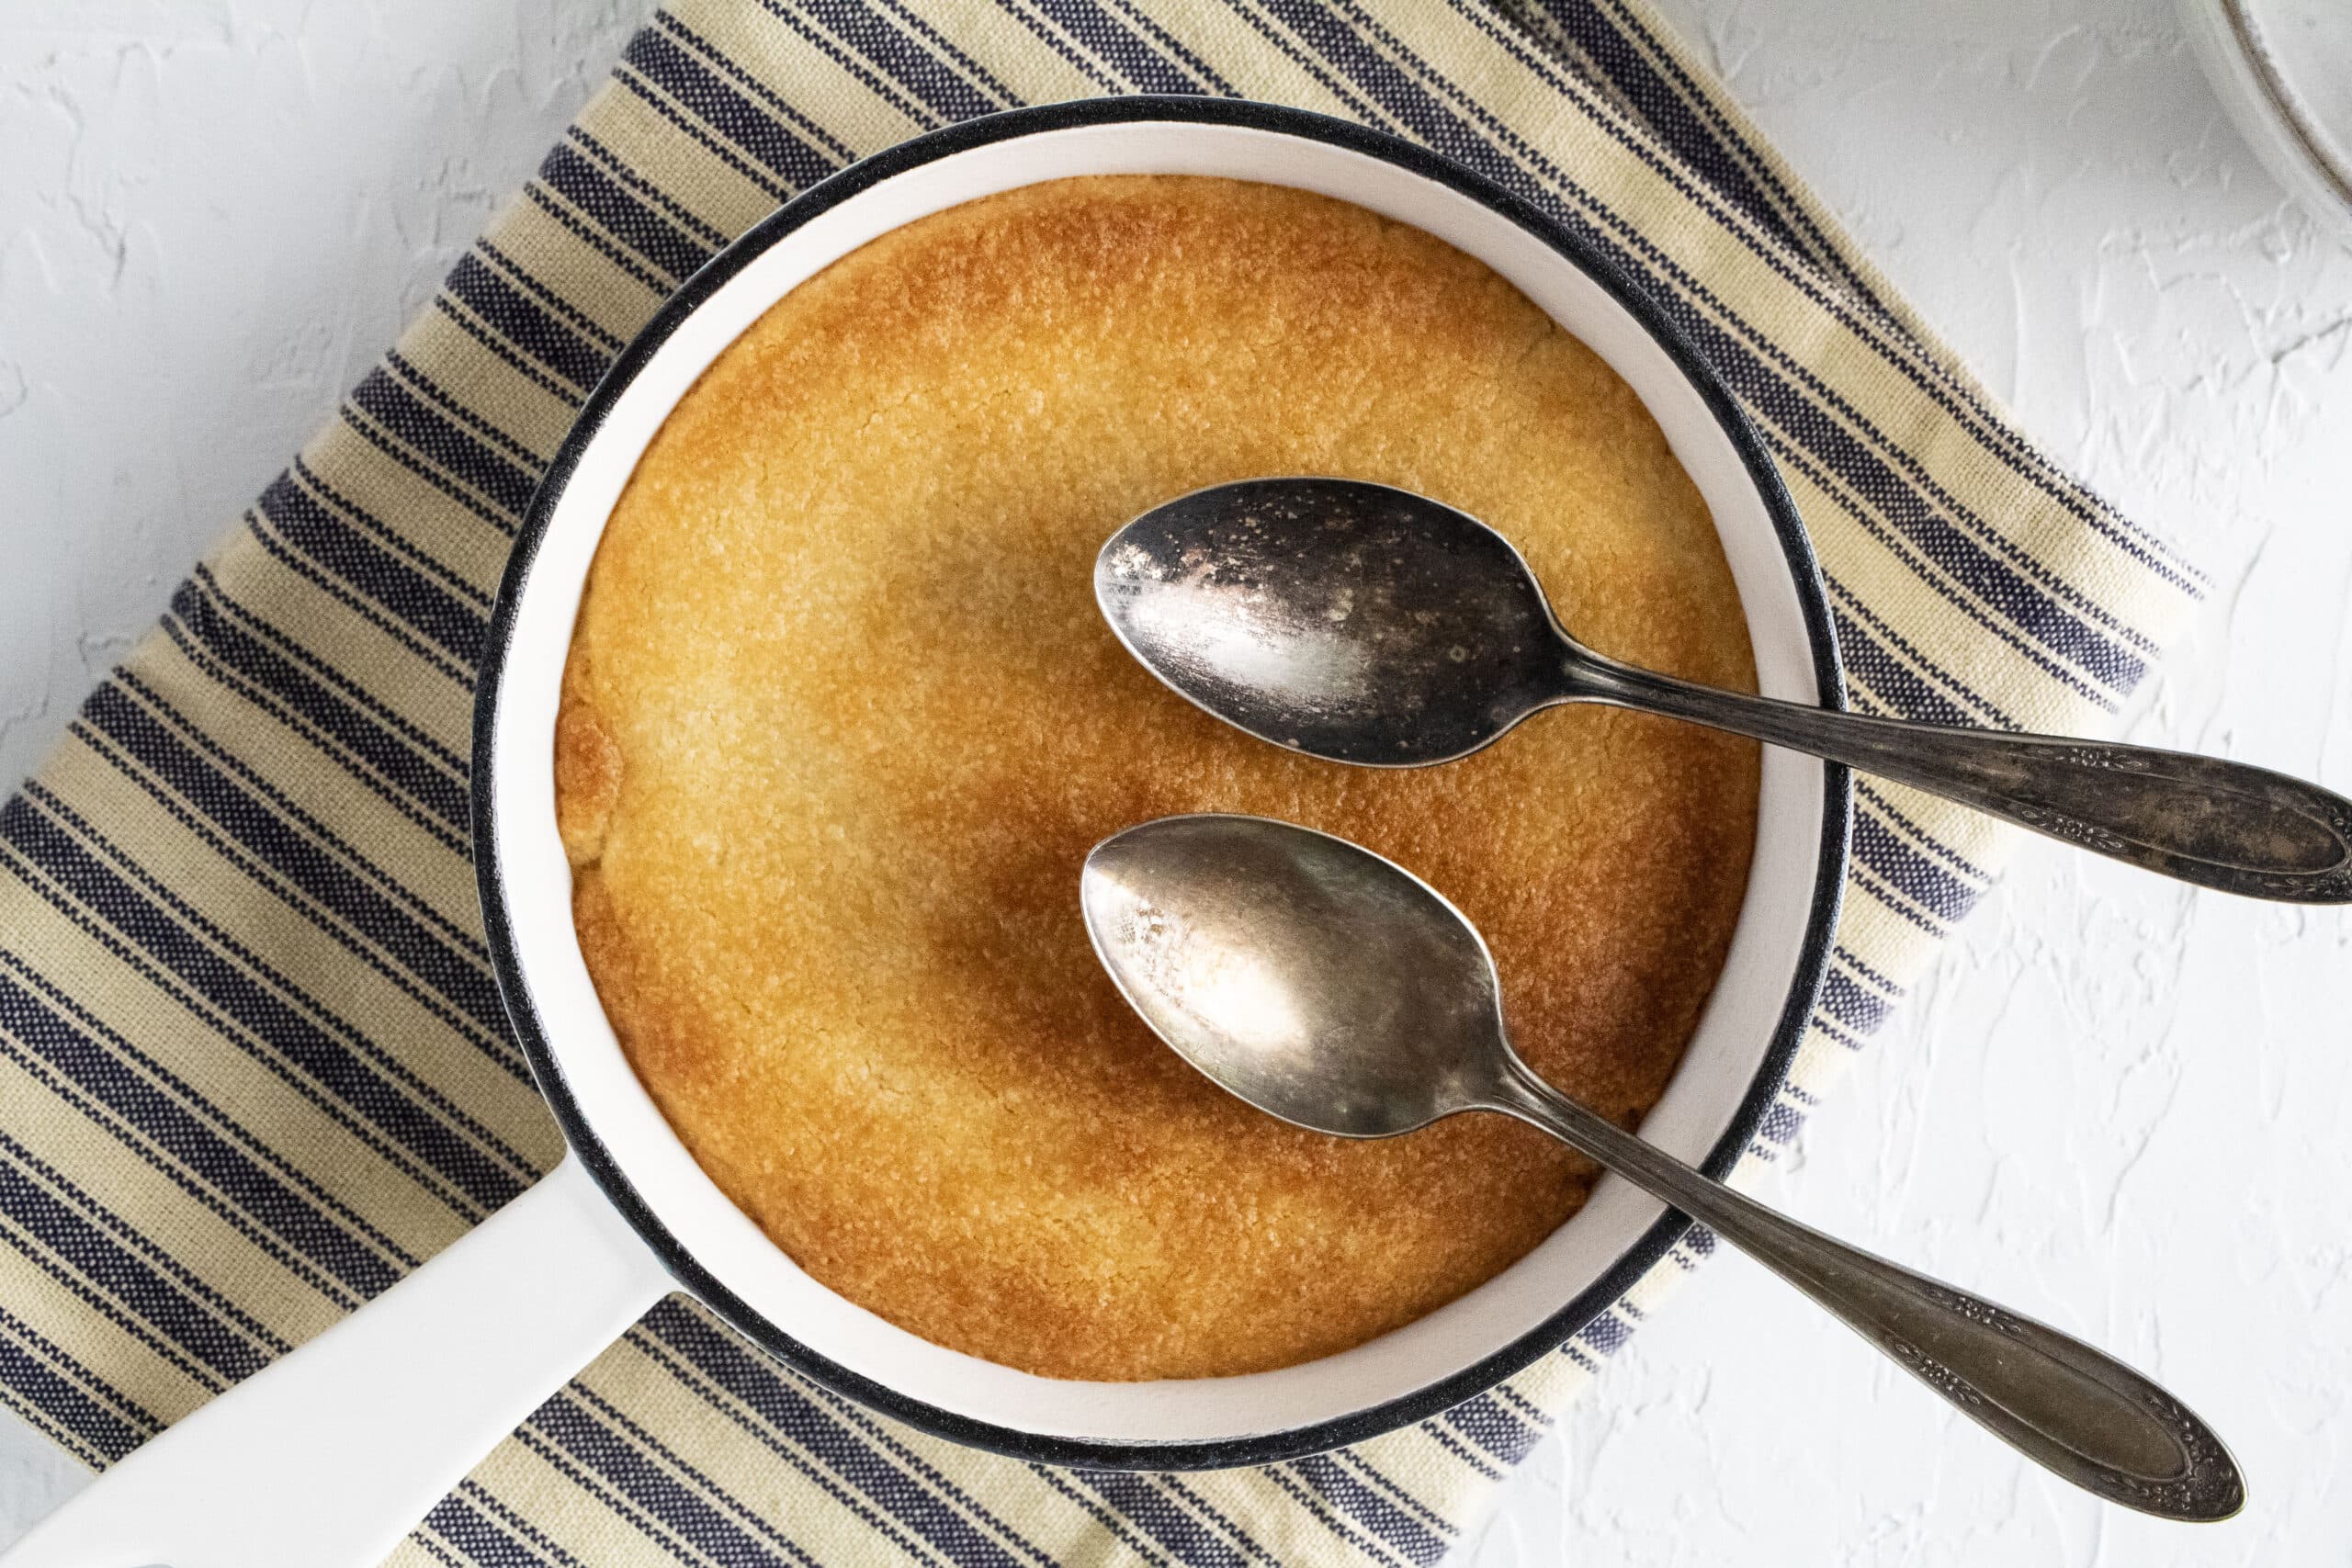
{"points": [[253, 1063]]}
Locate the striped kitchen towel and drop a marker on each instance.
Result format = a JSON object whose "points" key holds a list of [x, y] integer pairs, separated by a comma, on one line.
{"points": [[253, 1064]]}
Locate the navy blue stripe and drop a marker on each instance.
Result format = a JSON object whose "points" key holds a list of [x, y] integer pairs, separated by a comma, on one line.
{"points": [[580, 228], [1828, 1030], [1493, 1428], [686, 1377], [457, 452], [631, 1431], [137, 1242], [1434, 1430], [76, 1371], [1921, 879], [1397, 1529], [701, 135], [1576, 1355], [522, 322], [1891, 678], [836, 150], [278, 800], [1310, 1505], [1850, 1004], [381, 576], [1867, 880], [79, 915], [1185, 1537], [785, 1408], [383, 442], [1820, 247], [1847, 956], [1792, 460], [1668, 116], [300, 566], [458, 1524], [999, 91], [1354, 105], [73, 1239], [100, 1071], [1092, 1508], [242, 999], [1605, 1333], [1510, 1395], [449, 973], [613, 1503], [505, 353], [449, 577], [456, 764], [1781, 1122], [498, 1050], [1994, 583], [622, 216], [669, 206], [467, 941], [886, 1440], [1144, 68], [404, 372], [776, 147], [1708, 122], [491, 1041], [1175, 1483], [1321, 26], [1387, 1482], [1928, 843], [1212, 82], [663, 1497], [580, 321], [39, 1387], [69, 1099], [505, 1513]]}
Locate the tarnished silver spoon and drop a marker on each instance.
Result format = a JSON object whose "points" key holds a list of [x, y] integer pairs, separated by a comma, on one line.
{"points": [[1369, 625], [1331, 989]]}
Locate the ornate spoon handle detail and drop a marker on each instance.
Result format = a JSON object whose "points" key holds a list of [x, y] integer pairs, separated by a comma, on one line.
{"points": [[2202, 820], [2074, 1409]]}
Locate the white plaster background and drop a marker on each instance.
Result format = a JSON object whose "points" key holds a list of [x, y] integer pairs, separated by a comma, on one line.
{"points": [[2116, 1104]]}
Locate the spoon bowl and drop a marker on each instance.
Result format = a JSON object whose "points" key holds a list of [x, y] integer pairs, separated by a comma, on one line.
{"points": [[1344, 620], [1315, 980], [1365, 623]]}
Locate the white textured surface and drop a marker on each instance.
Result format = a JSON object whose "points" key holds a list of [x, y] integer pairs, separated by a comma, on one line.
{"points": [[2117, 1105]]}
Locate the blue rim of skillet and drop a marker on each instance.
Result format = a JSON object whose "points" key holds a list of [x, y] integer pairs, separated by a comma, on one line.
{"points": [[1263, 1448]]}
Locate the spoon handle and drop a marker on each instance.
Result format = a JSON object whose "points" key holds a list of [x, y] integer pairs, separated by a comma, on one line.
{"points": [[2082, 1414], [2219, 824]]}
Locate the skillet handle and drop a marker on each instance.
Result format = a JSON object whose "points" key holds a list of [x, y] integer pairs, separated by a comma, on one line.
{"points": [[2204, 820], [327, 1458]]}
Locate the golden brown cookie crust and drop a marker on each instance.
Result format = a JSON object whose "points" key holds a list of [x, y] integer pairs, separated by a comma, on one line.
{"points": [[841, 721]]}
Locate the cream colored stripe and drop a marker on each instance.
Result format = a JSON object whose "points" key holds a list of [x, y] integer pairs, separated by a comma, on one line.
{"points": [[250, 1082], [433, 521], [256, 732], [715, 193], [799, 60], [533, 406], [132, 1367], [595, 294], [270, 601], [93, 1175]]}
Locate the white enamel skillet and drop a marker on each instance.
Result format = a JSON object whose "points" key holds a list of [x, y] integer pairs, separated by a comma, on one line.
{"points": [[328, 1457]]}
